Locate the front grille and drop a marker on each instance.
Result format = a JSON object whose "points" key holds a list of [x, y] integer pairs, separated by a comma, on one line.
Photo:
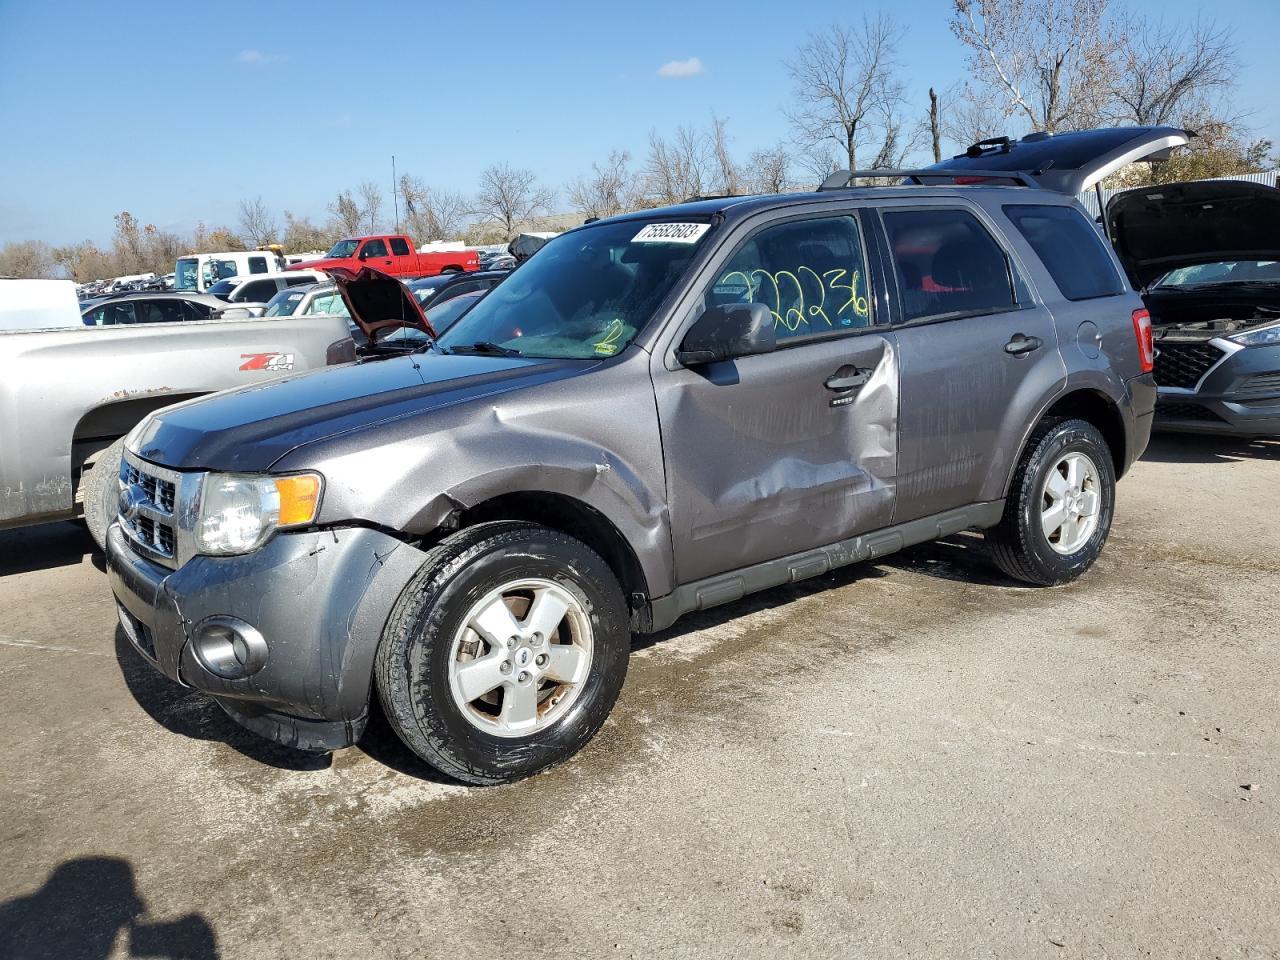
{"points": [[147, 510], [161, 492], [1259, 386], [1183, 364], [1186, 411]]}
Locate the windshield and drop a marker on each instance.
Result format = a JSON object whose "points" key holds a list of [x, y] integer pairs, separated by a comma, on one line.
{"points": [[343, 249], [284, 303], [586, 294], [223, 289], [186, 274], [1232, 271]]}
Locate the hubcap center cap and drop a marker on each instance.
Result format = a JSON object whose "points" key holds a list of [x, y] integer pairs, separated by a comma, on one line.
{"points": [[523, 657]]}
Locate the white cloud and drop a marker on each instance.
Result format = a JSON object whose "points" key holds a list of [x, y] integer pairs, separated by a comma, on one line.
{"points": [[681, 68], [257, 57]]}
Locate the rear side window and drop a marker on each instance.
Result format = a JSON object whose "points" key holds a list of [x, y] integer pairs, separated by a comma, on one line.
{"points": [[399, 247], [257, 264], [811, 274], [1070, 248], [948, 264]]}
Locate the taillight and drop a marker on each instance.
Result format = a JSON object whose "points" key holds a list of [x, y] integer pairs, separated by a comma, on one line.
{"points": [[340, 351], [1146, 344]]}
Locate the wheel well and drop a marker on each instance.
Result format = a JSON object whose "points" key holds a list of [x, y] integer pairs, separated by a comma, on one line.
{"points": [[103, 425], [572, 517], [1100, 411]]}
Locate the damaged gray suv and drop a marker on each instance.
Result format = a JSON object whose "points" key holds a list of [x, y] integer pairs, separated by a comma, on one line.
{"points": [[657, 413]]}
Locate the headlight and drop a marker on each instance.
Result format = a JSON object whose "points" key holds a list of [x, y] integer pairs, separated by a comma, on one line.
{"points": [[1258, 337], [239, 513]]}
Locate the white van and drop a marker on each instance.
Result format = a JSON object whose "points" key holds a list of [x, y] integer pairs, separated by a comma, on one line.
{"points": [[199, 271]]}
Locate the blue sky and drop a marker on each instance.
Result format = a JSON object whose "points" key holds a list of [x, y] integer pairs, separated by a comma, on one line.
{"points": [[177, 111]]}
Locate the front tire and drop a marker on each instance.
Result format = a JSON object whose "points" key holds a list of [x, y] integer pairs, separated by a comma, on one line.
{"points": [[505, 653], [1059, 509], [101, 495]]}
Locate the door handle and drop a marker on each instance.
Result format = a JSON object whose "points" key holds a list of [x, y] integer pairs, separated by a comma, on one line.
{"points": [[1021, 345], [847, 378]]}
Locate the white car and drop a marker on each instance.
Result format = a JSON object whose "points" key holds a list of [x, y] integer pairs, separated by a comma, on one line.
{"points": [[262, 288], [318, 299]]}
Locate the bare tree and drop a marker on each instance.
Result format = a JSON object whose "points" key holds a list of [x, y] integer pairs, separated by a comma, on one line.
{"points": [[1167, 73], [126, 243], [769, 171], [83, 262], [846, 86], [969, 114], [27, 260], [257, 226], [680, 168], [432, 214], [301, 235], [935, 126], [728, 176], [346, 214], [1051, 62], [608, 191], [370, 204], [510, 196]]}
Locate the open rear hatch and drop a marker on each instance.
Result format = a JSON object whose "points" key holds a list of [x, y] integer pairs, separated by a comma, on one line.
{"points": [[379, 304]]}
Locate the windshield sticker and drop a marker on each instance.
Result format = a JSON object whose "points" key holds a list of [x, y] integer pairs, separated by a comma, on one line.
{"points": [[608, 345], [671, 233]]}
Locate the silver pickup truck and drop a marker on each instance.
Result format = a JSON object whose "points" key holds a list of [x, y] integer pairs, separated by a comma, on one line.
{"points": [[69, 396]]}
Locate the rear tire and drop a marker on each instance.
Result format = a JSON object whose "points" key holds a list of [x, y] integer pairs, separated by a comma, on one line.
{"points": [[543, 620], [1060, 505], [101, 497]]}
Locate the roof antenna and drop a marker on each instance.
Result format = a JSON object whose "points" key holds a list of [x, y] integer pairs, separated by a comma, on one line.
{"points": [[395, 197]]}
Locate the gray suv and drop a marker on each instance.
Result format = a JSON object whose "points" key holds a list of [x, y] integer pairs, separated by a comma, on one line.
{"points": [[657, 413]]}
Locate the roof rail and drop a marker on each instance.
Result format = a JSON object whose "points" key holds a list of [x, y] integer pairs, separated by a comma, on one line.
{"points": [[841, 179], [712, 196]]}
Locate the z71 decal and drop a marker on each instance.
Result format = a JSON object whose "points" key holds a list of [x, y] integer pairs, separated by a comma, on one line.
{"points": [[274, 362]]}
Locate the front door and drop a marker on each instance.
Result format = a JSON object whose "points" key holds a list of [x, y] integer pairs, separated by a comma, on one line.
{"points": [[771, 455], [977, 355]]}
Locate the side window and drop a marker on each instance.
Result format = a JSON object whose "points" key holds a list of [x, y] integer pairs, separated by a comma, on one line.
{"points": [[1070, 249], [327, 303], [299, 281], [375, 248], [256, 291], [257, 264], [194, 311], [399, 247], [158, 311], [811, 274], [947, 264]]}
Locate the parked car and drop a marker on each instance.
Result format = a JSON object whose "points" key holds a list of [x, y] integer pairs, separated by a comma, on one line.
{"points": [[162, 307], [393, 254], [446, 286], [1206, 257], [199, 271], [657, 413], [309, 300], [69, 396], [260, 290]]}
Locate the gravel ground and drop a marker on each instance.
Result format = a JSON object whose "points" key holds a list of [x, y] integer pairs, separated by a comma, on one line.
{"points": [[909, 758]]}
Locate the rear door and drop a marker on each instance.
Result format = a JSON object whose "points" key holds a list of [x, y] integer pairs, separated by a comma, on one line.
{"points": [[771, 455], [403, 261], [978, 355]]}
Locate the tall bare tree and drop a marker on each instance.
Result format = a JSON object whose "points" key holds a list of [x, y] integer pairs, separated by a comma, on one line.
{"points": [[846, 86], [431, 213], [346, 215], [301, 235], [608, 191], [935, 126], [679, 168], [27, 260], [1169, 72], [370, 204], [510, 196], [769, 171], [257, 225], [1050, 62], [728, 175]]}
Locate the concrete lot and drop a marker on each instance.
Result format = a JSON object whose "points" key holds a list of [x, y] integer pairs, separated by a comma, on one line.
{"points": [[912, 758]]}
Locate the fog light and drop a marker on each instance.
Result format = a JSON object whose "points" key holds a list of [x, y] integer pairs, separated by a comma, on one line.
{"points": [[228, 647]]}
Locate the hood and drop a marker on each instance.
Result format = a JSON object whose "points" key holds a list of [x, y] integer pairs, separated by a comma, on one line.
{"points": [[379, 303], [1160, 228], [249, 428]]}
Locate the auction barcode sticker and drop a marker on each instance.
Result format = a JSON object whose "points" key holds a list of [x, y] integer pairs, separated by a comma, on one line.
{"points": [[671, 233]]}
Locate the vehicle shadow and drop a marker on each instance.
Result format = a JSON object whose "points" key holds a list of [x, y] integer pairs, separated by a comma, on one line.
{"points": [[380, 743], [192, 714], [45, 547], [1205, 448], [81, 910], [961, 558]]}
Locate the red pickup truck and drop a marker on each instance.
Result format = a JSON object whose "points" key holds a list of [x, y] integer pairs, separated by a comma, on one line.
{"points": [[393, 254]]}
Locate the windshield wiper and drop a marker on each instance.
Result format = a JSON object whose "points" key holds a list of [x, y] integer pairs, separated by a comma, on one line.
{"points": [[485, 347]]}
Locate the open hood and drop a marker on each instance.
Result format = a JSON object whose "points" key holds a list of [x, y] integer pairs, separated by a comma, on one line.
{"points": [[1071, 162], [379, 303], [1160, 228]]}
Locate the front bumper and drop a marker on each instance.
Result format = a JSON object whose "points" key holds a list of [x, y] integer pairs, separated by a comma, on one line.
{"points": [[1238, 396], [319, 599]]}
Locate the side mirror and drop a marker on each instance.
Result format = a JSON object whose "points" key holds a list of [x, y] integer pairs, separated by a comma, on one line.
{"points": [[363, 254], [728, 331]]}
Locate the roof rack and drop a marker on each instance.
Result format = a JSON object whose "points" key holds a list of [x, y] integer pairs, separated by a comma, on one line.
{"points": [[696, 198], [841, 179]]}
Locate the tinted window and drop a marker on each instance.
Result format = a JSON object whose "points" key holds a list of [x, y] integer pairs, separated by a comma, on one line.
{"points": [[223, 288], [947, 263], [457, 290], [811, 274], [256, 291], [195, 311], [298, 281], [374, 248], [158, 311], [257, 264], [1070, 248], [399, 247], [110, 314]]}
